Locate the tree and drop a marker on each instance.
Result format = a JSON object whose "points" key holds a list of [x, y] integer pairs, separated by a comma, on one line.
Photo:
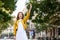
{"points": [[6, 9], [46, 11]]}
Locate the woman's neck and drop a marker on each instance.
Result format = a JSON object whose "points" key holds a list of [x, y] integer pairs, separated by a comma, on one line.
{"points": [[20, 19]]}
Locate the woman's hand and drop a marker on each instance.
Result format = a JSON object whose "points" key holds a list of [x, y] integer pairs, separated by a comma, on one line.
{"points": [[14, 37], [30, 7]]}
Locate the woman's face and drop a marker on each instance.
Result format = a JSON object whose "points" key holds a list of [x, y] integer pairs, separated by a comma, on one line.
{"points": [[20, 16]]}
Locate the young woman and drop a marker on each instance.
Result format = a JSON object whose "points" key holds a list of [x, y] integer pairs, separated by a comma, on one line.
{"points": [[20, 25]]}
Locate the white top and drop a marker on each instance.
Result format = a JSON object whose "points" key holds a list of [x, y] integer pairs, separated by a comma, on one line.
{"points": [[21, 33]]}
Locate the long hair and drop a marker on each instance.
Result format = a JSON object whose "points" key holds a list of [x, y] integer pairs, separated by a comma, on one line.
{"points": [[18, 15]]}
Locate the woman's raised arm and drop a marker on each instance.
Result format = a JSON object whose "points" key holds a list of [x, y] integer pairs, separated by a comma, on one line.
{"points": [[28, 14]]}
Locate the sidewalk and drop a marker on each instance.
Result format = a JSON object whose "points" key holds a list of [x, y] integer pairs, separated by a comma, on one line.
{"points": [[33, 39], [13, 39]]}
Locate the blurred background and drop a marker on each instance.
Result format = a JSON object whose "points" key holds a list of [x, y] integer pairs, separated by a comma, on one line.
{"points": [[43, 24]]}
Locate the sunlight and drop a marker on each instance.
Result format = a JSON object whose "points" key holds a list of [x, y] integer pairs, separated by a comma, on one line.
{"points": [[20, 6]]}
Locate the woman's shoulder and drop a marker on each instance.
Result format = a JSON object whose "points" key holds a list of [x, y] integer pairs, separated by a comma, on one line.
{"points": [[15, 21]]}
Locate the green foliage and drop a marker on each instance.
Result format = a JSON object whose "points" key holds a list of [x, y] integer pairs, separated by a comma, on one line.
{"points": [[4, 17], [1, 4], [8, 4], [41, 27], [6, 8], [44, 10]]}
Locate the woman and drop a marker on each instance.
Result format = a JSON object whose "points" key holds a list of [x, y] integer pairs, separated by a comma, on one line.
{"points": [[20, 25]]}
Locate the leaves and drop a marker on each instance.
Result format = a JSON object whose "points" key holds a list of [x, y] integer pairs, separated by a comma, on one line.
{"points": [[6, 8], [44, 10]]}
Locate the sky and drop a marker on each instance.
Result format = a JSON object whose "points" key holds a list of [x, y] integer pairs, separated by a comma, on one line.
{"points": [[20, 7]]}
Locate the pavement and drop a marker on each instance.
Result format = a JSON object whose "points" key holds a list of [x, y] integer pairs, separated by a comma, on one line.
{"points": [[13, 39]]}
